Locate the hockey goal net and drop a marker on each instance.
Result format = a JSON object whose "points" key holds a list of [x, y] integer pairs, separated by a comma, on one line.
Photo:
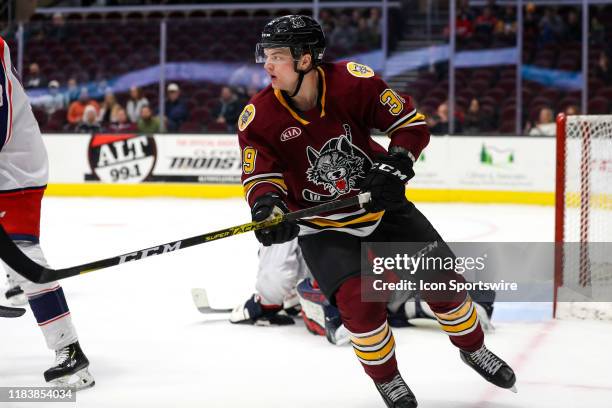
{"points": [[583, 217]]}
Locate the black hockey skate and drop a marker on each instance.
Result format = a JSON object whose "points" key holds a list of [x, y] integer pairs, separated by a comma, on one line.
{"points": [[70, 362], [396, 393], [490, 367]]}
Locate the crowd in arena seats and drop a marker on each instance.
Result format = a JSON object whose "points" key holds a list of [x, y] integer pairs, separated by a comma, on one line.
{"points": [[91, 52], [486, 97], [357, 31], [94, 52]]}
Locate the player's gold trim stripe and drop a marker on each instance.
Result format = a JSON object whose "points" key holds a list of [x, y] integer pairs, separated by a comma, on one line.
{"points": [[458, 313], [378, 354], [277, 181], [419, 117], [260, 176], [324, 91], [322, 222], [283, 102], [463, 326], [371, 340]]}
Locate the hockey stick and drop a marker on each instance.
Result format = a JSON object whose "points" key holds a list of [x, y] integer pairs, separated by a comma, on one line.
{"points": [[11, 311], [200, 299], [13, 257]]}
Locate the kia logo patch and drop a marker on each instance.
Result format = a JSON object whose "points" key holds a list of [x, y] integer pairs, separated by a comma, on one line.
{"points": [[290, 133]]}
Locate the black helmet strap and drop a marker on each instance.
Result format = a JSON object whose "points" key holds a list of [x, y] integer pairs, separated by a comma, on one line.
{"points": [[301, 75]]}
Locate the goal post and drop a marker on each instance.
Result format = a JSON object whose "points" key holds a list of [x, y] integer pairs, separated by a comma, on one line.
{"points": [[583, 217]]}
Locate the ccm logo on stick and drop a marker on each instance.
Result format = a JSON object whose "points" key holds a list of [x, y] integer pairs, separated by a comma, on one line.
{"points": [[150, 251]]}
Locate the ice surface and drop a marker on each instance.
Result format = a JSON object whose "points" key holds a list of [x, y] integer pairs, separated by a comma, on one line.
{"points": [[150, 347]]}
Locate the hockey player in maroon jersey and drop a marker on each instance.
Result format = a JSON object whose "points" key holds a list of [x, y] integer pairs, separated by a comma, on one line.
{"points": [[305, 139]]}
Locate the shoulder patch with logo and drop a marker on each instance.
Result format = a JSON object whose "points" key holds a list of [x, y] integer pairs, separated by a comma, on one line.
{"points": [[359, 70], [246, 117]]}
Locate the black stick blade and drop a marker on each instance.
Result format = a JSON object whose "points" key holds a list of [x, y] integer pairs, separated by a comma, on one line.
{"points": [[18, 261], [11, 311]]}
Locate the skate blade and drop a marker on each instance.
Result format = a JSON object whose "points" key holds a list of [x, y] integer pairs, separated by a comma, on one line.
{"points": [[513, 389], [79, 381]]}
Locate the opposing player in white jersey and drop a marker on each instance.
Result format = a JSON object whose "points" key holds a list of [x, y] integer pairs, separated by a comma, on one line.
{"points": [[23, 179]]}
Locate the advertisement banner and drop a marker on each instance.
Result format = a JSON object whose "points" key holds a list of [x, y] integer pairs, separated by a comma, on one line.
{"points": [[466, 163]]}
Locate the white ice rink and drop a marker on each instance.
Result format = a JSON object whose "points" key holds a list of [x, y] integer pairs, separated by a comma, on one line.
{"points": [[149, 346]]}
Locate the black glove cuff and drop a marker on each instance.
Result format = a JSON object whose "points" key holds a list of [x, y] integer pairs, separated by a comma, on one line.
{"points": [[399, 150]]}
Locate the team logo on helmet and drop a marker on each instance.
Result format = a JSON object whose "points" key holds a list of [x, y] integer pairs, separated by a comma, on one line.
{"points": [[339, 167], [298, 22], [246, 117], [359, 70]]}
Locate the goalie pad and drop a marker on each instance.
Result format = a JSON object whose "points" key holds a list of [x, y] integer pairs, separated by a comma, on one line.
{"points": [[320, 317], [416, 308]]}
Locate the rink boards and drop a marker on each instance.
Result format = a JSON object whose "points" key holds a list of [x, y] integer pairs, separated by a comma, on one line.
{"points": [[451, 169]]}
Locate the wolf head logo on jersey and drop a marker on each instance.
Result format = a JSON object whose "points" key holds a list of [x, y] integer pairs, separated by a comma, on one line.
{"points": [[339, 167]]}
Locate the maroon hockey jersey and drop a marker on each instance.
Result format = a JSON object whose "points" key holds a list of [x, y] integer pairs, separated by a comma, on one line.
{"points": [[324, 154]]}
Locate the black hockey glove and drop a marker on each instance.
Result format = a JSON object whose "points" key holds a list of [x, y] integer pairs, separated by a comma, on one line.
{"points": [[267, 206], [386, 181]]}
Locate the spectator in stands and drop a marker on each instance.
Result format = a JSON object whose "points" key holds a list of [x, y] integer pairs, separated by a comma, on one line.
{"points": [[597, 31], [148, 124], [506, 25], [55, 100], [122, 123], [326, 19], [465, 28], [77, 108], [109, 108], [552, 27], [530, 25], [176, 109], [356, 16], [495, 9], [72, 91], [573, 32], [135, 104], [374, 21], [464, 8], [35, 78], [603, 70], [57, 30], [475, 120], [344, 35], [572, 110], [89, 122], [366, 37], [545, 125], [228, 109], [101, 83], [485, 23], [440, 121]]}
